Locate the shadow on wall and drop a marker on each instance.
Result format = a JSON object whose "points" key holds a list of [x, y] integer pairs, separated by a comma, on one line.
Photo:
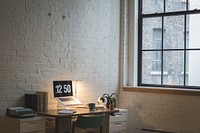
{"points": [[12, 102], [139, 121]]}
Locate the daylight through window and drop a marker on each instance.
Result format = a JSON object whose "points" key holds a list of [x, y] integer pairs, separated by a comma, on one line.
{"points": [[169, 43]]}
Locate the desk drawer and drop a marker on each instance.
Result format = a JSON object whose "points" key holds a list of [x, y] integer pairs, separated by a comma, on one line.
{"points": [[31, 126], [118, 126], [119, 116]]}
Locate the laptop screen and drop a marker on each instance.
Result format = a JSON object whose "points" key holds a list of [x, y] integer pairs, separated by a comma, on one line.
{"points": [[62, 88]]}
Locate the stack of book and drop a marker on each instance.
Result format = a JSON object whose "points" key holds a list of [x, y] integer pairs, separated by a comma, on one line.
{"points": [[38, 101]]}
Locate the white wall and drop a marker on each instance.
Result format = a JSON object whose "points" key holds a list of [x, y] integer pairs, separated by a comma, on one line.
{"points": [[177, 113], [78, 41], [37, 49], [162, 111]]}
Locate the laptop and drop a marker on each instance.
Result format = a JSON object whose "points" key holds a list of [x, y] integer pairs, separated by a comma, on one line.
{"points": [[63, 93]]}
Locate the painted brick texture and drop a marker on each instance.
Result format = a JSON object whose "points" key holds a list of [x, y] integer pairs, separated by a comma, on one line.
{"points": [[162, 111], [46, 40]]}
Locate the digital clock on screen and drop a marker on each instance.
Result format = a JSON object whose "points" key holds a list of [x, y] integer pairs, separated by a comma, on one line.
{"points": [[62, 88]]}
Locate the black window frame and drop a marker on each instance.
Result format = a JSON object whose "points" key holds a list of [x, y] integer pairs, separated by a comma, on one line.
{"points": [[140, 50]]}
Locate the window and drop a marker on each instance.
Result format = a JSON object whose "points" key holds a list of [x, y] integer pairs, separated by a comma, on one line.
{"points": [[157, 43], [168, 43]]}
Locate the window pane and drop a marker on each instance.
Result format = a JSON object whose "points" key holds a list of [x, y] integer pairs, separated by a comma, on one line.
{"points": [[152, 33], [152, 6], [194, 4], [170, 43], [174, 32], [156, 60], [175, 5], [194, 68], [149, 76], [173, 65], [194, 31]]}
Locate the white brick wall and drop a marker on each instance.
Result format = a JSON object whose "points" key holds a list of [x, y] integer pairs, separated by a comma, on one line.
{"points": [[178, 113], [162, 111], [36, 49], [79, 41]]}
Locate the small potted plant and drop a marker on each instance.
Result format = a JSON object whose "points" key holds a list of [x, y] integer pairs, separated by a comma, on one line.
{"points": [[111, 100]]}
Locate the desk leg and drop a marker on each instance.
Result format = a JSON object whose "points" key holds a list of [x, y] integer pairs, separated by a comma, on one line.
{"points": [[106, 123], [63, 125]]}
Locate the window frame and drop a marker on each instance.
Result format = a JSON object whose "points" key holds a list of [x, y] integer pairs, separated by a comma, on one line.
{"points": [[164, 14]]}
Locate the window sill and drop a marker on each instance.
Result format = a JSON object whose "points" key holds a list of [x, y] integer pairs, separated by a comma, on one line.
{"points": [[172, 91]]}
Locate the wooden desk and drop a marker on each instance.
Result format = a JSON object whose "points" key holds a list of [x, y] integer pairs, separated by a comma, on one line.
{"points": [[61, 118]]}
